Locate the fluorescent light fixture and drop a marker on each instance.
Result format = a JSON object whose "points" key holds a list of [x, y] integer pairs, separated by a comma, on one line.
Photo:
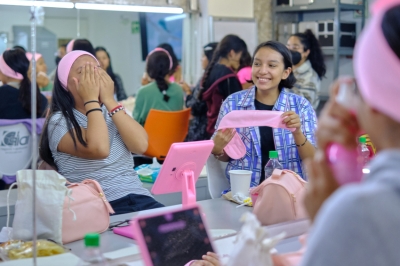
{"points": [[129, 8], [175, 17], [37, 3]]}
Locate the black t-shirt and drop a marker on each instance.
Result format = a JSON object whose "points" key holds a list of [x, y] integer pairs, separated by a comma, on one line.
{"points": [[267, 139], [225, 87], [11, 107]]}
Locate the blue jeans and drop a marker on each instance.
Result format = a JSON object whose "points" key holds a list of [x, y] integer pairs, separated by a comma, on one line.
{"points": [[134, 203]]}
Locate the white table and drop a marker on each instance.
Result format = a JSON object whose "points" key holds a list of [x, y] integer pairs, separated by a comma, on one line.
{"points": [[220, 214]]}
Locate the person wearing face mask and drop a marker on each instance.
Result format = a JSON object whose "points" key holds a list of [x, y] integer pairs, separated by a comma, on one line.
{"points": [[105, 62], [311, 68], [219, 79], [271, 75]]}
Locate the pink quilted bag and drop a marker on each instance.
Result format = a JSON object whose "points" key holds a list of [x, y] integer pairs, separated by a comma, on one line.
{"points": [[279, 198], [86, 210]]}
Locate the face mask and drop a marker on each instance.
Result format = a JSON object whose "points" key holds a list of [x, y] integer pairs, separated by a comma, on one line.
{"points": [[296, 57]]}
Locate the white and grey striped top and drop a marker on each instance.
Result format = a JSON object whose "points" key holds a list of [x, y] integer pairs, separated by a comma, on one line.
{"points": [[115, 173]]}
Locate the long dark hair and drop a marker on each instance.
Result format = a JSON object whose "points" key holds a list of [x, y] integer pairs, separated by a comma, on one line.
{"points": [[245, 60], [83, 45], [175, 62], [287, 61], [227, 44], [316, 57], [157, 68], [391, 28], [62, 101], [109, 69], [17, 61]]}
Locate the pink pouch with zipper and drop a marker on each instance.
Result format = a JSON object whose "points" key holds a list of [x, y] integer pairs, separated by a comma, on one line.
{"points": [[279, 198], [248, 118], [86, 210]]}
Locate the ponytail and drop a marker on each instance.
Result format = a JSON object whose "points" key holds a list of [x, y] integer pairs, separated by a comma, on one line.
{"points": [[207, 72], [157, 68], [315, 56]]}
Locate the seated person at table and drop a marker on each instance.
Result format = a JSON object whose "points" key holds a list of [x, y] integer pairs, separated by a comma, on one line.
{"points": [[271, 74], [15, 94], [88, 134], [159, 94], [358, 224]]}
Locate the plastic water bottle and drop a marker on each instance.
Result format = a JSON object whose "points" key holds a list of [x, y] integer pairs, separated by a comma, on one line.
{"points": [[272, 164], [365, 153], [346, 163], [92, 254]]}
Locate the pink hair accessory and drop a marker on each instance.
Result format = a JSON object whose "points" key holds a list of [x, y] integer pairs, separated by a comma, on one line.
{"points": [[248, 118], [7, 71], [380, 5], [165, 51], [66, 63], [29, 56], [244, 75], [377, 68], [70, 46]]}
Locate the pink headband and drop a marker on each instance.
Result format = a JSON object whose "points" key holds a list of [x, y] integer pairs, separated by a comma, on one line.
{"points": [[66, 63], [165, 51], [29, 56], [377, 67], [7, 71], [70, 46]]}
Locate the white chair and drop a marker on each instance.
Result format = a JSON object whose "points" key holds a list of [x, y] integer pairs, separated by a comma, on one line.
{"points": [[217, 181], [15, 149]]}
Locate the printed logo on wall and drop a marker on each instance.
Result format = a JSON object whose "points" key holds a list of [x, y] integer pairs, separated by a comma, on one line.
{"points": [[12, 138], [135, 27]]}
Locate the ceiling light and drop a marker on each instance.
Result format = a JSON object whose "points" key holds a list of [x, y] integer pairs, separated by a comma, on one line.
{"points": [[175, 17], [129, 8], [37, 3]]}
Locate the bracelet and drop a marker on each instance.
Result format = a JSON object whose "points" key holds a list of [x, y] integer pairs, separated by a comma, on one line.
{"points": [[217, 156], [114, 111], [304, 143], [115, 108], [94, 109], [91, 102]]}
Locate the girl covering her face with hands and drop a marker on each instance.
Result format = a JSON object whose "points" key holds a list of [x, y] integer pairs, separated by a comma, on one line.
{"points": [[271, 73], [88, 134]]}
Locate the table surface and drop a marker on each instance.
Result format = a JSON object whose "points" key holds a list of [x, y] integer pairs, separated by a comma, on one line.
{"points": [[220, 214]]}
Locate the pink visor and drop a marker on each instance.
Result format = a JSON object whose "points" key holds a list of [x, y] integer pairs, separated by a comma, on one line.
{"points": [[376, 65], [7, 71], [70, 46], [249, 118], [64, 67], [29, 56]]}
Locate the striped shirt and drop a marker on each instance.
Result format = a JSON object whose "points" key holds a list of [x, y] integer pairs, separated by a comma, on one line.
{"points": [[115, 173], [284, 142]]}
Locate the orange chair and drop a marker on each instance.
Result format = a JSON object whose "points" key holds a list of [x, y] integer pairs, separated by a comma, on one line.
{"points": [[165, 128]]}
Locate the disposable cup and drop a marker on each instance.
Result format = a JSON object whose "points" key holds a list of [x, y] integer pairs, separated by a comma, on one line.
{"points": [[240, 181]]}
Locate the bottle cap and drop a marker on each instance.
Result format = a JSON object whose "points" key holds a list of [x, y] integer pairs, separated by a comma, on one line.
{"points": [[92, 240], [273, 154], [362, 140]]}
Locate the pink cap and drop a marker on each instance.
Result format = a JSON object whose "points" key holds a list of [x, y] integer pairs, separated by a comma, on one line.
{"points": [[244, 75], [70, 46], [377, 68], [66, 63], [7, 71], [29, 56], [380, 5], [165, 51]]}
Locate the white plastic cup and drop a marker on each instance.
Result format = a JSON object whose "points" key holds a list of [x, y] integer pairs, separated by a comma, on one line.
{"points": [[240, 181]]}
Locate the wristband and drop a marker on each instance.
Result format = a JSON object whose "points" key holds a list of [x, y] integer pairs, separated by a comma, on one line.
{"points": [[116, 110], [91, 102], [217, 156], [94, 109], [304, 143]]}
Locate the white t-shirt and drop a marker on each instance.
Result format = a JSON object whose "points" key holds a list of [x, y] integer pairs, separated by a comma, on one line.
{"points": [[115, 173]]}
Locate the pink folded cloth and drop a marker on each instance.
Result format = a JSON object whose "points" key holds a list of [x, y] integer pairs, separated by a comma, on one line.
{"points": [[248, 118]]}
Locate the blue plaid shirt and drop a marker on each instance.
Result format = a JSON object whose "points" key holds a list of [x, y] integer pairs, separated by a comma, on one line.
{"points": [[283, 138]]}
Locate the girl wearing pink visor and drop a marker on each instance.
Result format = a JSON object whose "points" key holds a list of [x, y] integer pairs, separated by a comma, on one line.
{"points": [[15, 94], [89, 135], [42, 79], [358, 224]]}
